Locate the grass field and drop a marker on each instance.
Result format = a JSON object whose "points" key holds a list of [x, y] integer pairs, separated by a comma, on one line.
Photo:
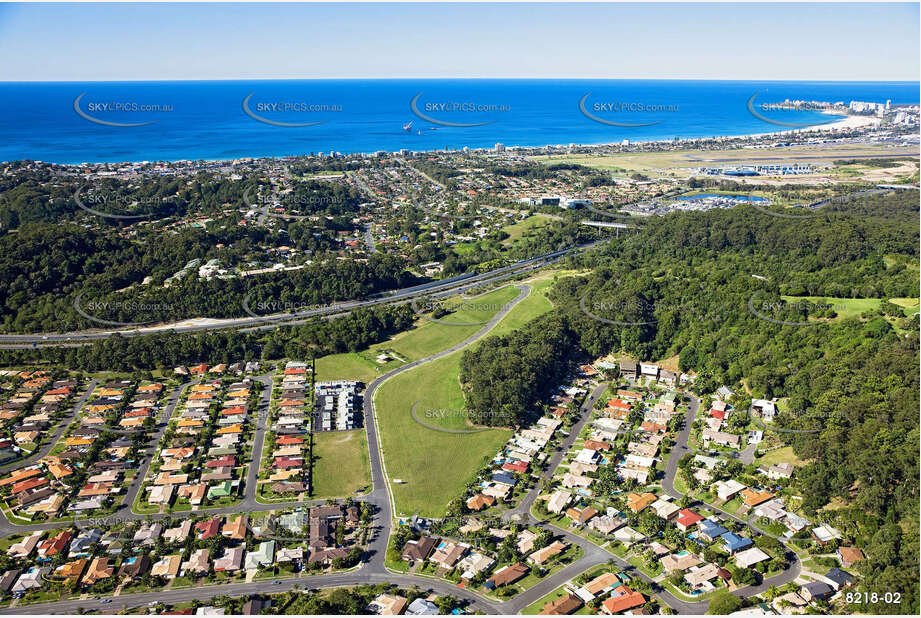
{"points": [[433, 465], [534, 305], [779, 455], [853, 307], [436, 465], [348, 366], [341, 463], [653, 161], [424, 340], [523, 228]]}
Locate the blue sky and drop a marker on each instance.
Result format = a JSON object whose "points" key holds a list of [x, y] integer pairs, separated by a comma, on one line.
{"points": [[76, 42]]}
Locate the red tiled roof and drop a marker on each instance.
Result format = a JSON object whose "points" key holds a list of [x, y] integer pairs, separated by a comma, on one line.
{"points": [[517, 466]]}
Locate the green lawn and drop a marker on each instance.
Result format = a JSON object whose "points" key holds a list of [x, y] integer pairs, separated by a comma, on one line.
{"points": [[433, 465], [436, 465], [534, 305], [348, 366], [431, 337], [536, 606], [779, 455], [909, 305], [523, 228], [341, 463], [424, 340], [853, 307]]}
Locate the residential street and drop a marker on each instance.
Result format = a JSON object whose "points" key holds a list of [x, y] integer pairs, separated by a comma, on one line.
{"points": [[373, 570]]}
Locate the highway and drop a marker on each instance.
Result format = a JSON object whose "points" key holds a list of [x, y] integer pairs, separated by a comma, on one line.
{"points": [[373, 569], [448, 287]]}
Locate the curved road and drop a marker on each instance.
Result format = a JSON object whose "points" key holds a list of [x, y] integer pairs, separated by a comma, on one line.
{"points": [[668, 484], [372, 570]]}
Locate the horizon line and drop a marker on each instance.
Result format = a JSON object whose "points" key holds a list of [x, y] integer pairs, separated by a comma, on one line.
{"points": [[481, 78]]}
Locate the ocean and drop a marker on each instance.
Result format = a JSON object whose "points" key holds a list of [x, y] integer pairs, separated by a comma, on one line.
{"points": [[71, 122]]}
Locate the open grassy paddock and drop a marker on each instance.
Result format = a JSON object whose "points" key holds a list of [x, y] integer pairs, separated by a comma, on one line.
{"points": [[425, 339], [340, 463], [435, 465]]}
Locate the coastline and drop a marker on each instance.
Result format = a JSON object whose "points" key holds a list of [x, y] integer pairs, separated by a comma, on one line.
{"points": [[846, 123]]}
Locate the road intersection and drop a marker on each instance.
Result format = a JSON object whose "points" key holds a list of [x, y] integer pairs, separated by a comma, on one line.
{"points": [[373, 570]]}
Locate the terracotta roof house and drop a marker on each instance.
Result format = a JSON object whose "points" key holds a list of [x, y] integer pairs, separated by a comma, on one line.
{"points": [[637, 502], [71, 571], [603, 582], [235, 529], [208, 528], [98, 570], [418, 549], [849, 555], [581, 516], [754, 498], [54, 545], [480, 501], [507, 575], [622, 599], [228, 461], [545, 553], [520, 467], [289, 462], [686, 519]]}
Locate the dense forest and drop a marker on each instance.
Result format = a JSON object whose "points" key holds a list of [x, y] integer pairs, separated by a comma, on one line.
{"points": [[43, 268], [687, 284], [505, 375], [32, 193]]}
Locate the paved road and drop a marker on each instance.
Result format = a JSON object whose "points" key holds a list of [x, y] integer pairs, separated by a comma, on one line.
{"points": [[668, 484], [522, 512], [262, 424], [59, 430], [153, 443], [593, 555], [447, 287], [369, 238], [183, 595], [373, 569]]}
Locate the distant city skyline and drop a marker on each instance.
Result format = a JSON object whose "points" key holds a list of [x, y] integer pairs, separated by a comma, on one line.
{"points": [[118, 42]]}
